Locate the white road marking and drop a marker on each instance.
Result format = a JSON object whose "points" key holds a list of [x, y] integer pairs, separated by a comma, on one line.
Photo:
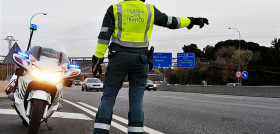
{"points": [[114, 124], [187, 98], [223, 96], [123, 120], [123, 97], [96, 109], [169, 97], [64, 115], [8, 111]]}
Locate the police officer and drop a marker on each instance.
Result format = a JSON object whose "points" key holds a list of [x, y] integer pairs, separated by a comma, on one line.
{"points": [[129, 26]]}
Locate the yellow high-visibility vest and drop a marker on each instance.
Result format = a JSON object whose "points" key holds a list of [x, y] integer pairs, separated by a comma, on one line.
{"points": [[133, 23]]}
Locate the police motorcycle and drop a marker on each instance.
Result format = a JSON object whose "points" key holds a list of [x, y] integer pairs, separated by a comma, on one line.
{"points": [[38, 82]]}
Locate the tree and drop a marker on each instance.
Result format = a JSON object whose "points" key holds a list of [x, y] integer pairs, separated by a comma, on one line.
{"points": [[225, 53], [224, 57], [245, 57], [209, 52], [193, 49], [276, 44], [235, 43], [262, 63]]}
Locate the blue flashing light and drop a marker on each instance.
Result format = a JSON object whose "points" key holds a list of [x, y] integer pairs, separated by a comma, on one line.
{"points": [[33, 26], [23, 54], [73, 66]]}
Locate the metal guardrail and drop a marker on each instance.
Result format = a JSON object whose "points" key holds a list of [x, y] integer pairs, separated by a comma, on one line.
{"points": [[254, 91]]}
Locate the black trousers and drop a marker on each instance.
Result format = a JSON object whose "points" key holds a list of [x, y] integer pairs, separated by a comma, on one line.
{"points": [[121, 65]]}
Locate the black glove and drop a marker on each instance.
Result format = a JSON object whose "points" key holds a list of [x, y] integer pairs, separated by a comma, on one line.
{"points": [[96, 67], [197, 21]]}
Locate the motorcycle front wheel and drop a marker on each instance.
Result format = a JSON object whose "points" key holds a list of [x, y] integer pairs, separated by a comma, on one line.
{"points": [[37, 111]]}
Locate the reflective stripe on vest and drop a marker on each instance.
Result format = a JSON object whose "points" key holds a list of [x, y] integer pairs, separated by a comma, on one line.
{"points": [[120, 14], [130, 44], [169, 21], [104, 29], [149, 21], [102, 126], [135, 129], [179, 22], [104, 42], [129, 28]]}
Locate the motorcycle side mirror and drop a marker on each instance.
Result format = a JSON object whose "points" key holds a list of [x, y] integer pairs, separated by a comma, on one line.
{"points": [[21, 59]]}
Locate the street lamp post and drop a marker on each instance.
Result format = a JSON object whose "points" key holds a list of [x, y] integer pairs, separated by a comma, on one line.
{"points": [[32, 29], [239, 81], [35, 15]]}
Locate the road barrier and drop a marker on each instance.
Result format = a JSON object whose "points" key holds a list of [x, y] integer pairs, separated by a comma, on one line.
{"points": [[254, 91]]}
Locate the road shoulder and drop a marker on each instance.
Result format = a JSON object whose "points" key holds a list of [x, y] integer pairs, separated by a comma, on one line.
{"points": [[3, 95]]}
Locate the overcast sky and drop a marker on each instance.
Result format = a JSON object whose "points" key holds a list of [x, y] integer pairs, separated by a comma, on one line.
{"points": [[76, 23]]}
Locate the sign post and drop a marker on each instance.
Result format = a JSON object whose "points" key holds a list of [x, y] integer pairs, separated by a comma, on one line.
{"points": [[245, 74], [238, 74], [162, 59], [186, 60]]}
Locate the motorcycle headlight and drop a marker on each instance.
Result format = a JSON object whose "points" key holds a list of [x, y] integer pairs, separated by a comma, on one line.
{"points": [[46, 76]]}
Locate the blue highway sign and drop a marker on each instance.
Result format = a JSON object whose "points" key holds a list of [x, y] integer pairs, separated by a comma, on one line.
{"points": [[162, 59], [245, 74], [186, 60]]}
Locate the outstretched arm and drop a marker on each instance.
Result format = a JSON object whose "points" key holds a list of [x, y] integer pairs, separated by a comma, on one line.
{"points": [[171, 22]]}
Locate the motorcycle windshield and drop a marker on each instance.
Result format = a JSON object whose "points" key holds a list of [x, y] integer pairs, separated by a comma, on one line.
{"points": [[51, 50]]}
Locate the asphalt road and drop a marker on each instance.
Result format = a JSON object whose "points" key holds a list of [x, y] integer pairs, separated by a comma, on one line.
{"points": [[165, 112]]}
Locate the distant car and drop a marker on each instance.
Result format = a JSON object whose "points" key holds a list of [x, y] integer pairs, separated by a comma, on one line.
{"points": [[92, 84], [234, 84], [77, 82], [151, 86]]}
